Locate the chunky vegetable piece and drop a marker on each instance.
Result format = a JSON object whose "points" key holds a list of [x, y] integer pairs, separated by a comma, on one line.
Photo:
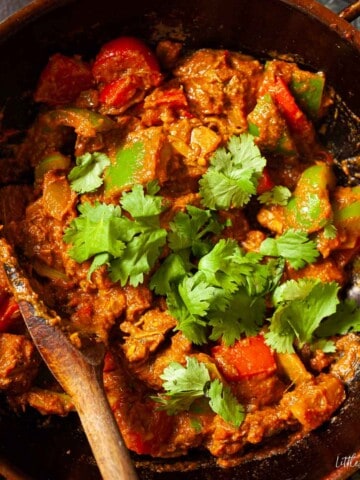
{"points": [[62, 80], [191, 221], [245, 358], [310, 209], [123, 67]]}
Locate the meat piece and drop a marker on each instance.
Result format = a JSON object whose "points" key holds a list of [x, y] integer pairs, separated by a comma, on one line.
{"points": [[325, 270], [348, 348], [144, 427], [168, 52], [46, 402], [137, 301], [258, 391], [145, 336], [96, 311], [149, 372], [313, 402], [221, 83], [19, 363]]}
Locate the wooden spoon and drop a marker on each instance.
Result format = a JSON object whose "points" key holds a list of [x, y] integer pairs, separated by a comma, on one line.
{"points": [[80, 375]]}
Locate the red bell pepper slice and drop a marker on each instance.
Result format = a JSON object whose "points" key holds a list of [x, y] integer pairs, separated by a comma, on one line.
{"points": [[246, 358], [265, 182], [62, 80], [294, 116], [119, 93], [9, 312], [126, 56]]}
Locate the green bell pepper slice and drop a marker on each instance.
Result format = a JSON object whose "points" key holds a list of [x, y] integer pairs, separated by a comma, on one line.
{"points": [[85, 122], [124, 172], [348, 217], [54, 161], [309, 209], [308, 91]]}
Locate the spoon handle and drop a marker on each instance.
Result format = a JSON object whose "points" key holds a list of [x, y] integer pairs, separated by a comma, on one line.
{"points": [[79, 375], [83, 382]]}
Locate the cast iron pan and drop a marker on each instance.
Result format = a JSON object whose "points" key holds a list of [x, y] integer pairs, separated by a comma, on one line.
{"points": [[55, 448]]}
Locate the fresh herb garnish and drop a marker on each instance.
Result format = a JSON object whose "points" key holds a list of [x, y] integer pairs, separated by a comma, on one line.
{"points": [[185, 385], [189, 230], [85, 177], [233, 174], [278, 195], [212, 297], [129, 246], [300, 307], [330, 231], [294, 246], [346, 319]]}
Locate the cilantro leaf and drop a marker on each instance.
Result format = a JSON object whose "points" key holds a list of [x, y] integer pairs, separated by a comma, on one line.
{"points": [[184, 385], [174, 268], [179, 379], [189, 230], [142, 205], [330, 231], [233, 174], [197, 294], [189, 302], [223, 296], [346, 319], [223, 402], [327, 346], [294, 246], [226, 266], [96, 230], [86, 175], [130, 247], [278, 195], [98, 260], [244, 315], [138, 257], [300, 308]]}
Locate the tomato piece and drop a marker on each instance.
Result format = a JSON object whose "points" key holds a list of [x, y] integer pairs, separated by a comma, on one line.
{"points": [[9, 312], [294, 116], [62, 80], [246, 358], [126, 56], [265, 182], [119, 93]]}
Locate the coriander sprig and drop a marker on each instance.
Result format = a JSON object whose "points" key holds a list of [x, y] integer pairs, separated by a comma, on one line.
{"points": [[233, 174], [129, 246], [184, 385]]}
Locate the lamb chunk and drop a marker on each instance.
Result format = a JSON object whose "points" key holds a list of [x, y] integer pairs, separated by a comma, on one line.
{"points": [[19, 363], [220, 83], [47, 402], [146, 335], [313, 402], [138, 300], [149, 372]]}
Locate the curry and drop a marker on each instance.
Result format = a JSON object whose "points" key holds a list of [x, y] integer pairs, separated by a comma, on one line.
{"points": [[183, 212]]}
